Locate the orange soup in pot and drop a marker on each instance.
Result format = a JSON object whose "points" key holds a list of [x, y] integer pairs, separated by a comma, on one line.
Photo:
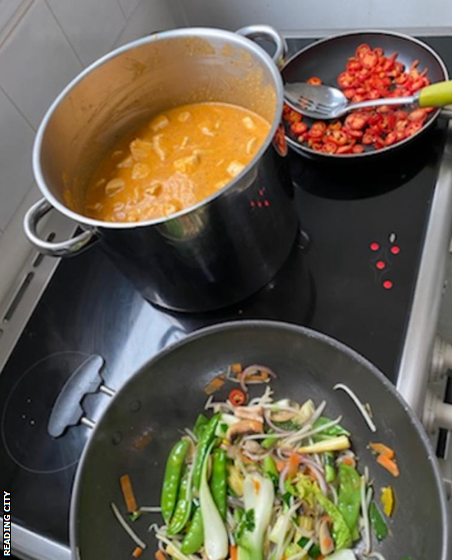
{"points": [[174, 161]]}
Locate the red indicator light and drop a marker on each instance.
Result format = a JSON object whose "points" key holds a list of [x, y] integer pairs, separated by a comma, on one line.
{"points": [[252, 203], [266, 203], [387, 284], [374, 246], [380, 265], [259, 203], [395, 250]]}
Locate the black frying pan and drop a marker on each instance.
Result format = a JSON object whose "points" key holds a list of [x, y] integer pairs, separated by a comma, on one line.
{"points": [[327, 59], [167, 394]]}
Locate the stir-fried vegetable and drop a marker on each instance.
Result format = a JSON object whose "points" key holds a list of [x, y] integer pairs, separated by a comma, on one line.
{"points": [[378, 523], [388, 500], [215, 534], [264, 478], [202, 448], [258, 497], [349, 496], [194, 538], [385, 457], [183, 507], [171, 482], [127, 491], [218, 482]]}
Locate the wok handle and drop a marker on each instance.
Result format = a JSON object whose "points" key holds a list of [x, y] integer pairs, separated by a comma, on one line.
{"points": [[436, 95], [270, 34], [68, 409], [66, 248], [87, 421]]}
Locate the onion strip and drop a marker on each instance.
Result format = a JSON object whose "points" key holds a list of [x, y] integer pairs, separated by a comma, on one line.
{"points": [[136, 539], [359, 405]]}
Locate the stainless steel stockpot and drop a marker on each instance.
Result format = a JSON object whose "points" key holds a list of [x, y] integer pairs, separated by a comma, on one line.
{"points": [[212, 254]]}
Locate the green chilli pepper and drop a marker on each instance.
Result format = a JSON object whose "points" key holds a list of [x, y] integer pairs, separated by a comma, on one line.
{"points": [[183, 508], [269, 441], [171, 481], [194, 537], [330, 469], [270, 470], [378, 523], [349, 495], [218, 481], [201, 449], [200, 424]]}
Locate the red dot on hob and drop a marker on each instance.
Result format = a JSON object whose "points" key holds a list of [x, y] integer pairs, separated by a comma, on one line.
{"points": [[395, 250], [387, 284], [374, 246], [380, 265], [266, 203]]}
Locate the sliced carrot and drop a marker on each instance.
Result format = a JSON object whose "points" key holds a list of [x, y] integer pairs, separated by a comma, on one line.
{"points": [[233, 552], [382, 449], [127, 492], [214, 385], [236, 368], [294, 463], [137, 552], [389, 464], [160, 555], [349, 461], [280, 465]]}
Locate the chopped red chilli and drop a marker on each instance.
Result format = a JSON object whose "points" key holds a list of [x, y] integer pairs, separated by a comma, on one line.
{"points": [[368, 75]]}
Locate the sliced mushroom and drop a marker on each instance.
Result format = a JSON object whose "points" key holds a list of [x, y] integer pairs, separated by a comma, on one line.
{"points": [[159, 123], [157, 147], [114, 186], [184, 116], [282, 416], [325, 540], [250, 413], [234, 168], [140, 171], [140, 149], [248, 122], [186, 164], [125, 163], [252, 447], [244, 427]]}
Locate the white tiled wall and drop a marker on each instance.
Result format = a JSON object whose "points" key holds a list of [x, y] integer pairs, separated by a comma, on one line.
{"points": [[43, 45]]}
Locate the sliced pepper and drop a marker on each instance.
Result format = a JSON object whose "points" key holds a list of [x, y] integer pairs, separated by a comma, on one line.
{"points": [[388, 500]]}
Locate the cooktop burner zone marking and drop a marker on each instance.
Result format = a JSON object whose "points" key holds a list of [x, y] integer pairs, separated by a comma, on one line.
{"points": [[25, 418]]}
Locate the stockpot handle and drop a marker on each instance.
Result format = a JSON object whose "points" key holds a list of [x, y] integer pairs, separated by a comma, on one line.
{"points": [[269, 33], [67, 248]]}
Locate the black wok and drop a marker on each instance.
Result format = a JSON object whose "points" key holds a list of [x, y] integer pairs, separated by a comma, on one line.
{"points": [[167, 394], [327, 59]]}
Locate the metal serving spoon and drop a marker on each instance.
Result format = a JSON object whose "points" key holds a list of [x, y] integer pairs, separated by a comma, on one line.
{"points": [[325, 102]]}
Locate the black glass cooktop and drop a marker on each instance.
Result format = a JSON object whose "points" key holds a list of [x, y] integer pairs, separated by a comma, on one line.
{"points": [[351, 275]]}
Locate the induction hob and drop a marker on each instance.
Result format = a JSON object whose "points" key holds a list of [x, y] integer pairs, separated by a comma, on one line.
{"points": [[353, 273]]}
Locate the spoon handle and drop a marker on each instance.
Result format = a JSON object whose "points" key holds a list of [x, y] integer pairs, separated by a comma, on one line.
{"points": [[385, 101], [436, 95]]}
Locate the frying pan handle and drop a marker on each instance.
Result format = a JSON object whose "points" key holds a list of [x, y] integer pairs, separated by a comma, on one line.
{"points": [[270, 34], [66, 248]]}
